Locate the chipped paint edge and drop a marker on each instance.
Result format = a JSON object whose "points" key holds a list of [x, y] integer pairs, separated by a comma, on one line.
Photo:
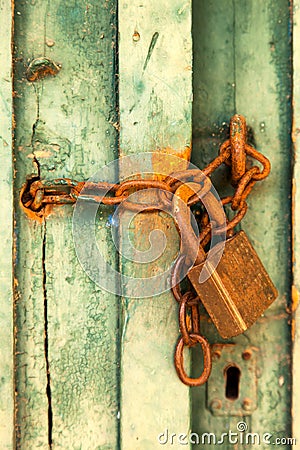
{"points": [[6, 220], [295, 288]]}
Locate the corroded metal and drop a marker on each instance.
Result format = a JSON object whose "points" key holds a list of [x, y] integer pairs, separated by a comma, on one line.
{"points": [[179, 363], [36, 194], [238, 291], [41, 68], [235, 294]]}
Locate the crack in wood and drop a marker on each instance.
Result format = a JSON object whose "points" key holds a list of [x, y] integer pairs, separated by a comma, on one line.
{"points": [[46, 343], [151, 48]]}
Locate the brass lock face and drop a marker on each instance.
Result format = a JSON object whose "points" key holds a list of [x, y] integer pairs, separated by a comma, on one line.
{"points": [[238, 291]]}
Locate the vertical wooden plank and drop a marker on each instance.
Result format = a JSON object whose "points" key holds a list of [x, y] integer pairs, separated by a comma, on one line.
{"points": [[263, 95], [213, 79], [155, 115], [68, 125], [264, 70], [214, 103], [30, 362], [213, 66], [6, 220], [296, 223], [259, 61], [77, 114]]}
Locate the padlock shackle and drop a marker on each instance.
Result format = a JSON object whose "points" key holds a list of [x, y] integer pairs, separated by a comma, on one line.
{"points": [[181, 212]]}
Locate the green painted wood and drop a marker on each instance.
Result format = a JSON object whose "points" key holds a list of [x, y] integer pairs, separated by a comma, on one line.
{"points": [[155, 114], [75, 404], [82, 326], [6, 233], [251, 55], [68, 395], [155, 108], [30, 363], [296, 223]]}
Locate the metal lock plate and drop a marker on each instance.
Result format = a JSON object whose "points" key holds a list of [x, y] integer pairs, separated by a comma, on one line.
{"points": [[232, 386], [238, 292]]}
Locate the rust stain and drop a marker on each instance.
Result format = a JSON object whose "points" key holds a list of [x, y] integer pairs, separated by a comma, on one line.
{"points": [[40, 154], [33, 215], [293, 330], [15, 282], [295, 298], [294, 306], [179, 162], [136, 36], [41, 68]]}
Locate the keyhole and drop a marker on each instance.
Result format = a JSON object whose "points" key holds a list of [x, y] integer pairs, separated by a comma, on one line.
{"points": [[232, 375]]}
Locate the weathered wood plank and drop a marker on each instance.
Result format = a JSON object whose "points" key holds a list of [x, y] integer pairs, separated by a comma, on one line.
{"points": [[263, 73], [296, 224], [30, 363], [260, 81], [263, 94], [213, 66], [78, 112], [213, 80], [155, 75], [6, 233], [155, 115], [74, 135]]}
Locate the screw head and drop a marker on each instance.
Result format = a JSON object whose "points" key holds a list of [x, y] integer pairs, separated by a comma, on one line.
{"points": [[247, 354], [247, 404], [215, 404], [216, 354]]}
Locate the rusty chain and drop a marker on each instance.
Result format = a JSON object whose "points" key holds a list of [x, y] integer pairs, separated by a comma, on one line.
{"points": [[36, 194], [189, 325], [233, 153]]}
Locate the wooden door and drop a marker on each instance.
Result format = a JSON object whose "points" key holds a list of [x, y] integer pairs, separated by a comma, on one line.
{"points": [[83, 368], [242, 63]]}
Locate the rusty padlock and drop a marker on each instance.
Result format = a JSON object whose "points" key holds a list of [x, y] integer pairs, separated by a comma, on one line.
{"points": [[237, 291]]}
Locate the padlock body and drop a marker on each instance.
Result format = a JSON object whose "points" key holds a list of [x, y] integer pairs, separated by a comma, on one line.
{"points": [[238, 291]]}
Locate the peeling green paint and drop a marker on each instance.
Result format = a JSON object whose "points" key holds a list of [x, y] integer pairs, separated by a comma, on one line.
{"points": [[242, 60], [64, 128]]}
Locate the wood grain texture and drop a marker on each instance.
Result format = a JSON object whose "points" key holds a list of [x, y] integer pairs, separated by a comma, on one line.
{"points": [[251, 56], [155, 115], [67, 326], [6, 233], [30, 364], [296, 224], [82, 319], [155, 67]]}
